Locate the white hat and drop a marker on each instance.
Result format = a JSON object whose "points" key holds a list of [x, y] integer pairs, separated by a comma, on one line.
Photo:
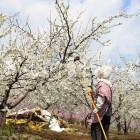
{"points": [[103, 72]]}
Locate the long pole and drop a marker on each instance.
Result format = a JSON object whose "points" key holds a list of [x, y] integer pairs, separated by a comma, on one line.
{"points": [[98, 117]]}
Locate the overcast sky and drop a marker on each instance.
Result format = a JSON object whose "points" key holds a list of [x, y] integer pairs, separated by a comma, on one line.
{"points": [[125, 39]]}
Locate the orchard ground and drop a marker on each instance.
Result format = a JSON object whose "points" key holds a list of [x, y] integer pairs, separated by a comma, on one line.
{"points": [[75, 133]]}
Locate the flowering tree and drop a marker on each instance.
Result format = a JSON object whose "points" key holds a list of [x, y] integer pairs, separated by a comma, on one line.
{"points": [[126, 96], [37, 66], [18, 67], [73, 42]]}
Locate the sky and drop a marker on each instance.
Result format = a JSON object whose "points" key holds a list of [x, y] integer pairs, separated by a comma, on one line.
{"points": [[125, 39]]}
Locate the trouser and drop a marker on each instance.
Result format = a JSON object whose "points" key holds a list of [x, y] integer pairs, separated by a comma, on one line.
{"points": [[96, 131]]}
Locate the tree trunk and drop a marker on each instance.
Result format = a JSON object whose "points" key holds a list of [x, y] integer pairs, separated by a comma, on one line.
{"points": [[125, 127], [118, 121], [2, 118], [119, 128]]}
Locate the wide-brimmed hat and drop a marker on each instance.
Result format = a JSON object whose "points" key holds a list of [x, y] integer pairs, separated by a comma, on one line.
{"points": [[103, 72]]}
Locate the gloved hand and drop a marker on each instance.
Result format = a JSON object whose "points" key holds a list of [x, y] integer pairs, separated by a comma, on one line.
{"points": [[99, 104], [95, 110]]}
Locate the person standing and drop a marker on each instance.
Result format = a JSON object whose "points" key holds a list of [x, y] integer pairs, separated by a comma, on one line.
{"points": [[103, 103]]}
